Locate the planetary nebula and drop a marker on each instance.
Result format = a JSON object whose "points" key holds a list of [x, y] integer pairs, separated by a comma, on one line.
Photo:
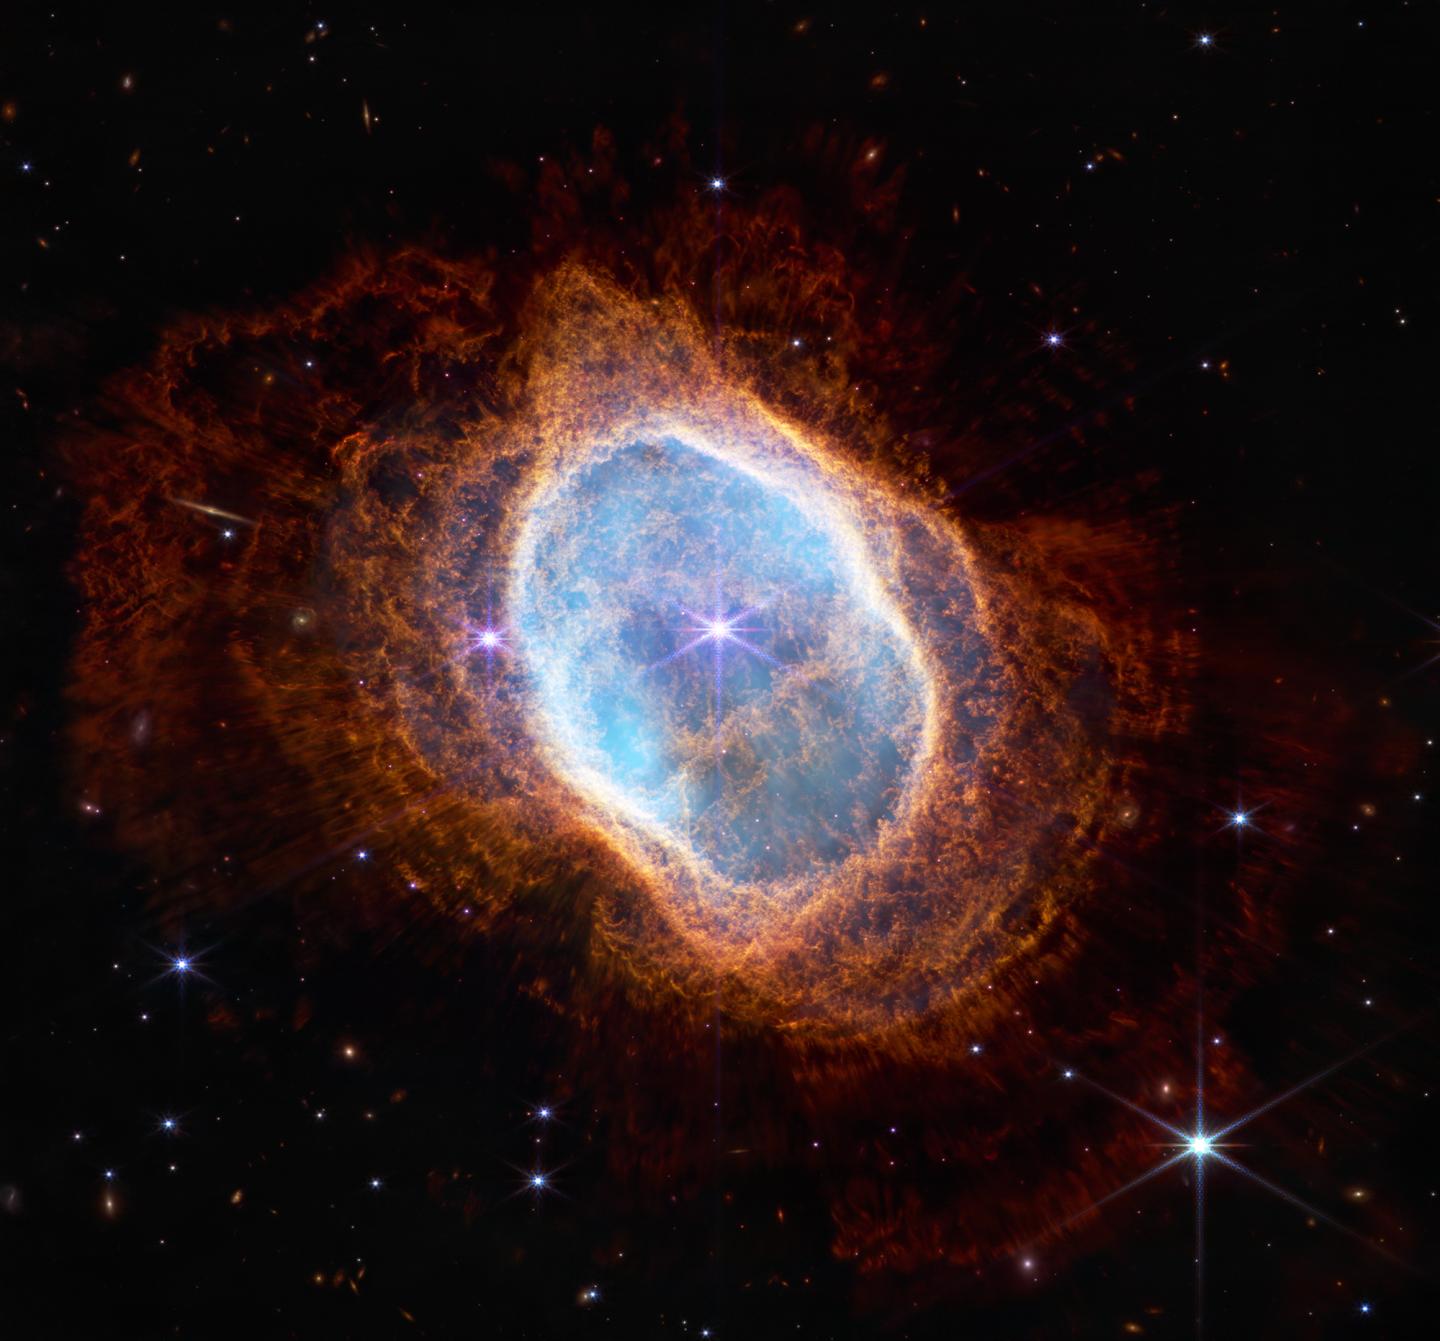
{"points": [[633, 633], [811, 734], [821, 747]]}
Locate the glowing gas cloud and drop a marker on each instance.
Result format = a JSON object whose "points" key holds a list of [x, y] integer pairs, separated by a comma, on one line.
{"points": [[638, 638], [811, 734], [786, 699]]}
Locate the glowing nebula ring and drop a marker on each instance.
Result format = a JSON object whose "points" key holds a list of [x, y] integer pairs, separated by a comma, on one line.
{"points": [[405, 708], [979, 856]]}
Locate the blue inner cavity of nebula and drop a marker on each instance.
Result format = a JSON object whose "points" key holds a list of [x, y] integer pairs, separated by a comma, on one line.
{"points": [[805, 749]]}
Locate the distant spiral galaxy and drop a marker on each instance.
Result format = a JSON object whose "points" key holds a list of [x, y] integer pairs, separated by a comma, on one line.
{"points": [[621, 612]]}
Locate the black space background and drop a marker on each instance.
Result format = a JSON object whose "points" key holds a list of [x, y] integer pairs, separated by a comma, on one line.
{"points": [[1278, 208]]}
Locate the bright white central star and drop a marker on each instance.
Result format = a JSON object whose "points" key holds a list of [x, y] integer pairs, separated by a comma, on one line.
{"points": [[719, 630], [1200, 1146]]}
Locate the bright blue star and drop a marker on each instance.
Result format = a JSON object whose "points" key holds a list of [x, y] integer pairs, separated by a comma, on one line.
{"points": [[182, 964], [1240, 817], [1203, 1146]]}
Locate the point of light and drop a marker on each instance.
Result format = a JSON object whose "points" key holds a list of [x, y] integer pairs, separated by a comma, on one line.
{"points": [[1239, 819], [539, 1181], [717, 183], [544, 1114], [1205, 40], [180, 965], [168, 1124], [489, 639], [1054, 339], [1200, 1145]]}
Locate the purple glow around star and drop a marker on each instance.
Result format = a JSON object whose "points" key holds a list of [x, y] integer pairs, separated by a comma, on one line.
{"points": [[720, 628], [487, 639]]}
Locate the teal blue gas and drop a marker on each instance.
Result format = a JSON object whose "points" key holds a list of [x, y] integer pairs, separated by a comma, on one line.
{"points": [[704, 651]]}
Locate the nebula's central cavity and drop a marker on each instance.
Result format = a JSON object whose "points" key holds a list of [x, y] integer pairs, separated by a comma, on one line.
{"points": [[712, 662]]}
